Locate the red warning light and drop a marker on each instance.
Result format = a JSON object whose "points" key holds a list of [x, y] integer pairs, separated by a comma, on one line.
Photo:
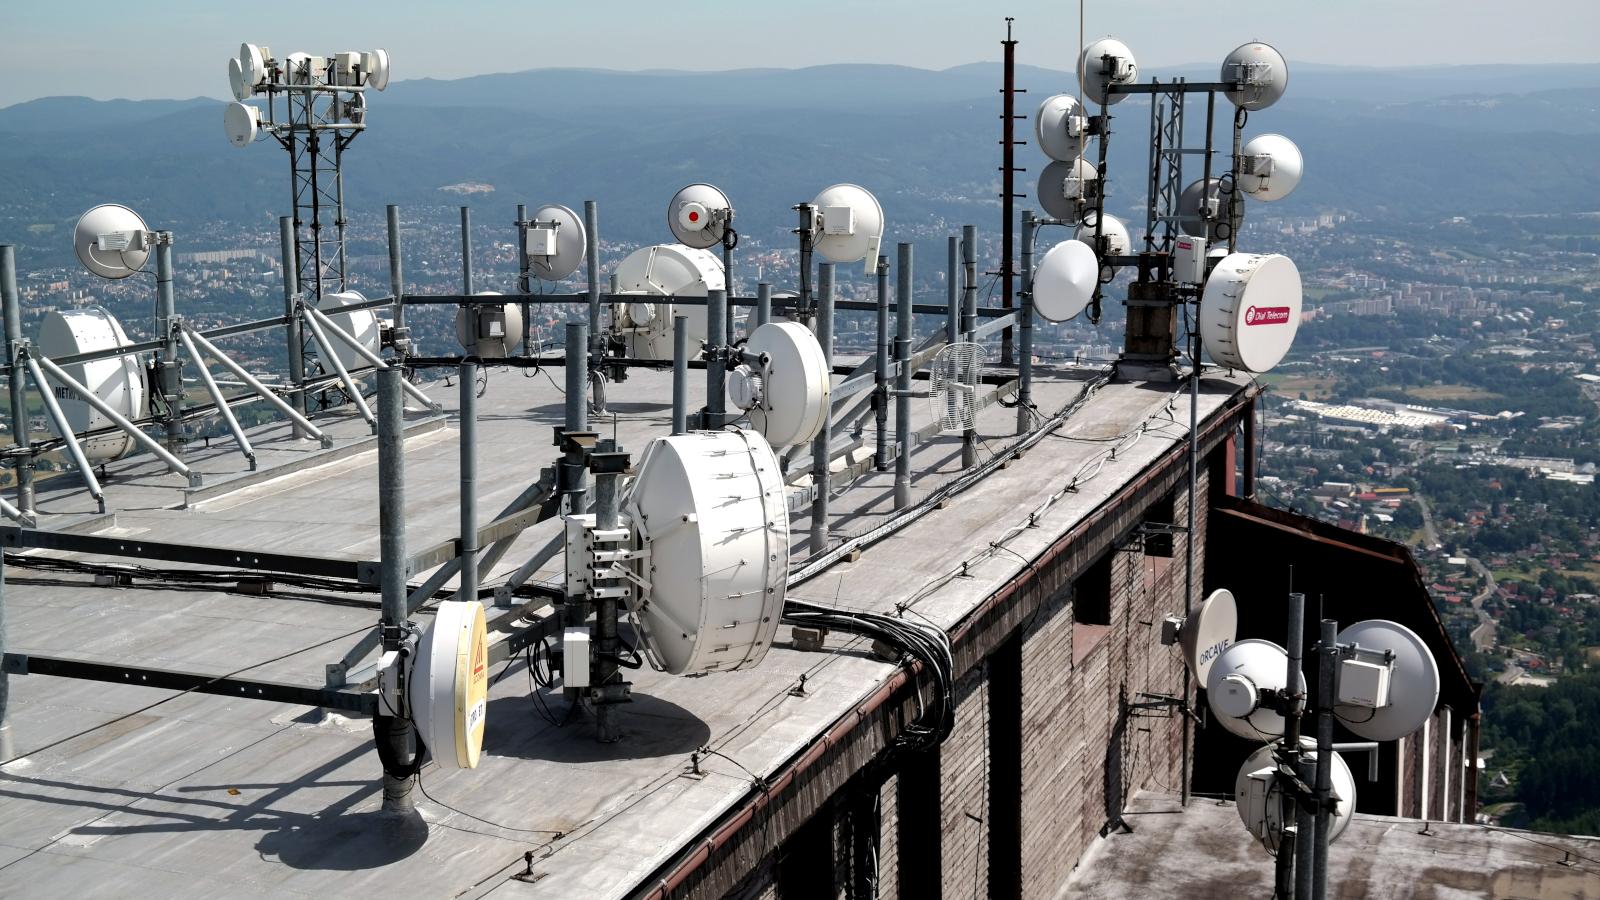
{"points": [[694, 216]]}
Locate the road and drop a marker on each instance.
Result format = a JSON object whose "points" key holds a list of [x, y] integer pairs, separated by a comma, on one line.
{"points": [[1430, 535], [1483, 634]]}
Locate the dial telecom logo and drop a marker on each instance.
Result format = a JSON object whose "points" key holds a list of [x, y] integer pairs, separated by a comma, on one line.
{"points": [[1266, 315]]}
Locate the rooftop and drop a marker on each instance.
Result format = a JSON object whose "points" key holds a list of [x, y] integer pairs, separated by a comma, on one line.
{"points": [[207, 794]]}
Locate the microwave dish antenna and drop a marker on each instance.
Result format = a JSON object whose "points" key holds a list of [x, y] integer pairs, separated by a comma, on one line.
{"points": [[1065, 280], [557, 242], [712, 530], [487, 330], [1213, 197], [1270, 167], [242, 123], [375, 63], [699, 216], [1261, 73], [1236, 687], [955, 377], [111, 241], [848, 225], [1061, 126], [242, 89], [1065, 186], [253, 64], [1208, 632], [1258, 794], [786, 389], [1391, 685], [361, 324], [1250, 310], [1118, 241], [118, 380], [1107, 60], [448, 689], [654, 275]]}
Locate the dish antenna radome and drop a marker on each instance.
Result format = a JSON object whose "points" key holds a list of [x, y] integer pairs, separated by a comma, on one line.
{"points": [[1065, 280], [655, 274], [253, 64], [1250, 310], [1060, 127], [489, 330], [361, 324], [787, 393], [1121, 68], [1063, 186], [557, 242], [376, 64], [1240, 676], [1386, 701], [1209, 631], [111, 241], [1258, 794], [242, 122], [709, 511], [119, 380], [448, 688], [848, 225], [241, 88], [954, 380], [1270, 166], [1260, 71], [699, 215], [1214, 198], [1118, 242]]}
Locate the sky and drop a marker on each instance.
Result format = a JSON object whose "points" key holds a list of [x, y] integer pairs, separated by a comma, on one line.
{"points": [[180, 48]]}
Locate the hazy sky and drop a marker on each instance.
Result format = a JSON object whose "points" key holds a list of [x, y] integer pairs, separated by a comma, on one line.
{"points": [[180, 48]]}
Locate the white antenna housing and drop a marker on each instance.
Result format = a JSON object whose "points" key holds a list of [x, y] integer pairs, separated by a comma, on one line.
{"points": [[1208, 632], [849, 225], [787, 398], [557, 242], [1270, 166], [1097, 70], [241, 88], [489, 331], [448, 689], [1063, 184], [1239, 678], [1260, 70], [1258, 795], [361, 324], [699, 215], [119, 381], [111, 241], [1060, 127], [1118, 242], [376, 64], [1064, 282], [1210, 194], [253, 64], [712, 520], [1250, 310], [665, 270], [1410, 686], [954, 380], [242, 122]]}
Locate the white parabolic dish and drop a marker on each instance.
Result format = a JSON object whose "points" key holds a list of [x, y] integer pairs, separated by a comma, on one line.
{"points": [[1237, 679], [709, 508], [118, 381], [449, 685], [1065, 280], [1208, 632], [1093, 66], [1059, 127], [361, 324], [666, 270], [110, 219], [1118, 242], [795, 384], [487, 346], [1264, 67], [1270, 825], [1413, 686], [1287, 167], [1062, 183], [242, 122], [851, 226], [1250, 310], [571, 243], [236, 81], [698, 215]]}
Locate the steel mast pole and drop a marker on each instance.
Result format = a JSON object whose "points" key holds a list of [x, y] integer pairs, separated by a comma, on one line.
{"points": [[292, 330], [902, 394], [20, 434]]}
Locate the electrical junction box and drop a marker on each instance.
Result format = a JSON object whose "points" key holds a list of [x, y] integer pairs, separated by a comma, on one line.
{"points": [[838, 220], [542, 239], [579, 552], [1363, 684], [492, 323], [1189, 259], [1171, 629], [575, 657], [1253, 802]]}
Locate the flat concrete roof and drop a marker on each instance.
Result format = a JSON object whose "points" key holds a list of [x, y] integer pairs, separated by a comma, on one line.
{"points": [[1203, 851], [221, 796]]}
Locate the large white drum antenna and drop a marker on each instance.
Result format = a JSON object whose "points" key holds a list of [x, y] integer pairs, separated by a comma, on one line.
{"points": [[784, 384]]}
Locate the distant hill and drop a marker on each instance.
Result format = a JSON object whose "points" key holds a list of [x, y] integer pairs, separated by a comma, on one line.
{"points": [[1413, 143]]}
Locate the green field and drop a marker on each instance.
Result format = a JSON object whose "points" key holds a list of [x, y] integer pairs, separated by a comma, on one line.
{"points": [[1315, 387]]}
